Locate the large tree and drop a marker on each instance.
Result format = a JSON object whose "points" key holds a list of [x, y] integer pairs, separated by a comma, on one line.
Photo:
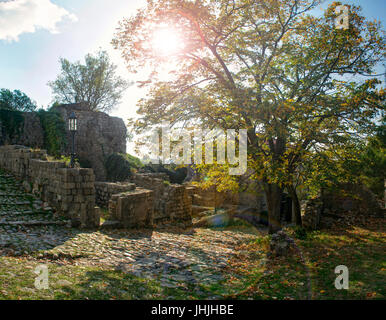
{"points": [[16, 101], [94, 83], [267, 66]]}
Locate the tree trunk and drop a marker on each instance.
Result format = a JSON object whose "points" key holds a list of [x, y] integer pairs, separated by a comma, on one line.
{"points": [[296, 205], [273, 193]]}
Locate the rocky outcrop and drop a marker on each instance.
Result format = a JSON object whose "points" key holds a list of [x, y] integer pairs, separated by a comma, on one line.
{"points": [[98, 136]]}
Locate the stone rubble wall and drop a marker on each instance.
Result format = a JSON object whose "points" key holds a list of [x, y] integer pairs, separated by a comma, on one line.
{"points": [[105, 190], [331, 206], [174, 205], [172, 202], [147, 180], [70, 191], [74, 192], [228, 199], [133, 209], [352, 197]]}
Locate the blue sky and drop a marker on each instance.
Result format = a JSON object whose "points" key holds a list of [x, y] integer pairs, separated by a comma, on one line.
{"points": [[32, 60], [71, 29]]}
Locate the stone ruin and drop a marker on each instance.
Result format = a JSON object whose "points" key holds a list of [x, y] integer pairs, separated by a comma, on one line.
{"points": [[172, 202], [149, 199], [69, 191], [104, 191], [99, 135], [333, 206], [74, 193]]}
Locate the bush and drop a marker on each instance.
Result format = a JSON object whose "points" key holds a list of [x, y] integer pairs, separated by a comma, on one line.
{"points": [[84, 163], [133, 161], [54, 127], [12, 122], [176, 175], [118, 168], [300, 233]]}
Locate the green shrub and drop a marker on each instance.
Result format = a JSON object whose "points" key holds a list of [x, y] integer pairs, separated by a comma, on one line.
{"points": [[12, 122], [118, 168], [54, 127], [176, 174], [84, 163], [133, 161], [300, 233]]}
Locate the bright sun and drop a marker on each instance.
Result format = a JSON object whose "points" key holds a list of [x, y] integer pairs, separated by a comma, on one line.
{"points": [[166, 41]]}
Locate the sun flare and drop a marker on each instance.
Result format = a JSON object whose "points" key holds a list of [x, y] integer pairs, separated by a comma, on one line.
{"points": [[166, 42]]}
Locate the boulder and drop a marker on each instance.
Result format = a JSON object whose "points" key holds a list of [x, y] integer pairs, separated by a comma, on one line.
{"points": [[281, 244]]}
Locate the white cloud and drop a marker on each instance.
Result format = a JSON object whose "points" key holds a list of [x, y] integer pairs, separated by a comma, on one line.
{"points": [[22, 16]]}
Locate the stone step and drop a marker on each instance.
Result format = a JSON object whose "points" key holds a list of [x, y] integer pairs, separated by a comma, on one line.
{"points": [[111, 224], [19, 203], [196, 210], [13, 212], [33, 223], [27, 213], [205, 201]]}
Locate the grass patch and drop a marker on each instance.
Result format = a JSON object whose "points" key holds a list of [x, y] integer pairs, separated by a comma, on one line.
{"points": [[309, 273]]}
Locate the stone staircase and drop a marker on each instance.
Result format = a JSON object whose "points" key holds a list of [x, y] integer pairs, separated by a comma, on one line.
{"points": [[18, 208]]}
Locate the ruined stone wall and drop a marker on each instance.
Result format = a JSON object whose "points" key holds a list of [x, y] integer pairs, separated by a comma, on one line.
{"points": [[174, 206], [352, 197], [133, 208], [104, 191], [98, 136], [74, 192], [334, 205], [312, 211], [70, 191], [152, 181], [172, 202]]}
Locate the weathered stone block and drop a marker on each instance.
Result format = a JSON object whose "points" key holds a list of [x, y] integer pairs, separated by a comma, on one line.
{"points": [[134, 209]]}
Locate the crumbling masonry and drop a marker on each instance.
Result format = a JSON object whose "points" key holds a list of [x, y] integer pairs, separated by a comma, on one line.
{"points": [[74, 193]]}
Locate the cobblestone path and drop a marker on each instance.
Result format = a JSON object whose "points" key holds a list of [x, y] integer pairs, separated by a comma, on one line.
{"points": [[174, 257]]}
